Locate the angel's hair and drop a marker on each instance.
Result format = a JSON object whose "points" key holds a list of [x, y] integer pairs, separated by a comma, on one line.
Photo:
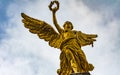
{"points": [[68, 23]]}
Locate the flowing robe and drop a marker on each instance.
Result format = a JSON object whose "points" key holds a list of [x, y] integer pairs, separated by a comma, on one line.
{"points": [[72, 58]]}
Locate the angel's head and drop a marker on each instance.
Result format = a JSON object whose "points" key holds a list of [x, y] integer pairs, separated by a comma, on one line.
{"points": [[68, 25]]}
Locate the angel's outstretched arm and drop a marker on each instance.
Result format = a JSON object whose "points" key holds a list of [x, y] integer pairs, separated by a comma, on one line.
{"points": [[54, 15]]}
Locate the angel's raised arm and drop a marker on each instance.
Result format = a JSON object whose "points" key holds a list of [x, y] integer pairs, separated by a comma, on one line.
{"points": [[54, 15]]}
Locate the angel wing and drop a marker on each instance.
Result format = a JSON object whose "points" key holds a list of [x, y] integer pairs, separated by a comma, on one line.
{"points": [[86, 39], [43, 30]]}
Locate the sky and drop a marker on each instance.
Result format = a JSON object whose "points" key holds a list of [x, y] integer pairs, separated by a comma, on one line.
{"points": [[23, 53]]}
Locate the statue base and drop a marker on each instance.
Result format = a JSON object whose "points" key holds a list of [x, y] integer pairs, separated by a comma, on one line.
{"points": [[86, 73]]}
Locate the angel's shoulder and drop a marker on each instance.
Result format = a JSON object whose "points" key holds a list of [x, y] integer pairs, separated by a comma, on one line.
{"points": [[75, 31]]}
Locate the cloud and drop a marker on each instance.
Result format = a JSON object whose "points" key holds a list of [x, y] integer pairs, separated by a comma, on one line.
{"points": [[23, 53]]}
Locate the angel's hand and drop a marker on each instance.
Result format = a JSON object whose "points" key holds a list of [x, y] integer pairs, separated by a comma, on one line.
{"points": [[55, 4]]}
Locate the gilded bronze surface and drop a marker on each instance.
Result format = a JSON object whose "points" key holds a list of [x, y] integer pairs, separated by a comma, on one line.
{"points": [[72, 57]]}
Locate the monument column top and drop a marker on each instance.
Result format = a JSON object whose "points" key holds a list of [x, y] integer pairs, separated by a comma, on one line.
{"points": [[87, 73]]}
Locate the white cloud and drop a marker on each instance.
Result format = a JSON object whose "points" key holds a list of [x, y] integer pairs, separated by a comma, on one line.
{"points": [[23, 52]]}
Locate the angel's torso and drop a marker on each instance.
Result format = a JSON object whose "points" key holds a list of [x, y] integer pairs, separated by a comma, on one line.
{"points": [[69, 39], [68, 34]]}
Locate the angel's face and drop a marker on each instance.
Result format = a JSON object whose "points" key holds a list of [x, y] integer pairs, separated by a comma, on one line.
{"points": [[68, 26]]}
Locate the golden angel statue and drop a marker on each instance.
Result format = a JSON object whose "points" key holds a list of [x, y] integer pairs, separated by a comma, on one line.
{"points": [[69, 41]]}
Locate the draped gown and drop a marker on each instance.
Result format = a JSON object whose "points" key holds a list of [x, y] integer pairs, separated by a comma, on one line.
{"points": [[72, 58]]}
